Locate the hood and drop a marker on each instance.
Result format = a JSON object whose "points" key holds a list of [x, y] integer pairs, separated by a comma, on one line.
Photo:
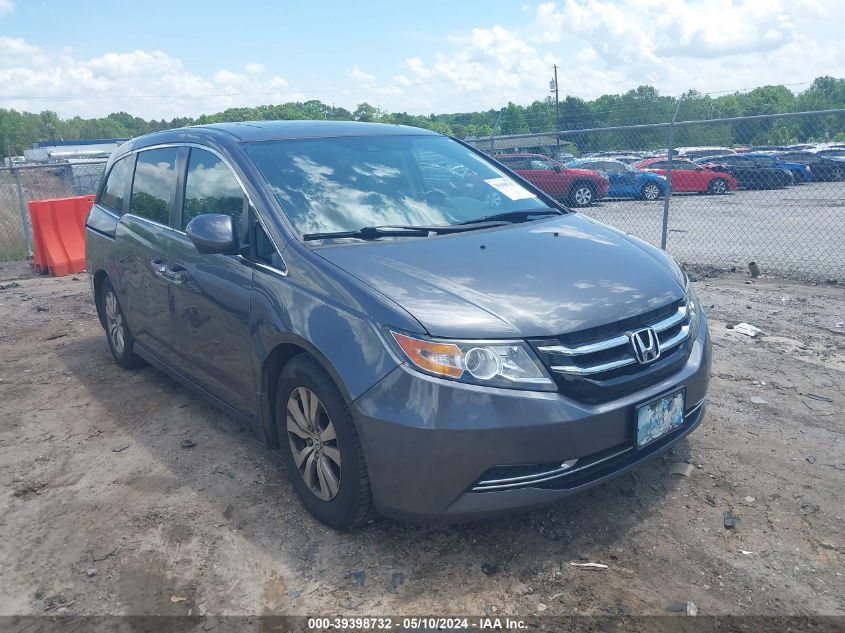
{"points": [[536, 279]]}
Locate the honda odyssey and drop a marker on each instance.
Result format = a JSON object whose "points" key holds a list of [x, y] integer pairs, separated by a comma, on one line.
{"points": [[419, 331]]}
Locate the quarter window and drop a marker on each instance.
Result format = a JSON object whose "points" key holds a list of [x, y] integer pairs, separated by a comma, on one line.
{"points": [[115, 189], [211, 187], [152, 189]]}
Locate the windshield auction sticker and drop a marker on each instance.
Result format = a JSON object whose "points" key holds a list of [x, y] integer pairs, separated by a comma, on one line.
{"points": [[509, 188]]}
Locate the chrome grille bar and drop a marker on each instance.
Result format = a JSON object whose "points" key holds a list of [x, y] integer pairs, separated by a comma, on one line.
{"points": [[616, 341], [622, 342]]}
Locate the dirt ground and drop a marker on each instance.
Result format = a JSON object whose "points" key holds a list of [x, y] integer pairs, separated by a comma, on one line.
{"points": [[103, 511]]}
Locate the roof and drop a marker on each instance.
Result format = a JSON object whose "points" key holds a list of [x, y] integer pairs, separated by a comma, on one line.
{"points": [[250, 131], [269, 130]]}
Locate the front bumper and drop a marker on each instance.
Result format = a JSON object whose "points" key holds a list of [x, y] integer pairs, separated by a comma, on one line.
{"points": [[428, 442]]}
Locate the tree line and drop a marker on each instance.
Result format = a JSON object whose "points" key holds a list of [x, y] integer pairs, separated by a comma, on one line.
{"points": [[19, 130]]}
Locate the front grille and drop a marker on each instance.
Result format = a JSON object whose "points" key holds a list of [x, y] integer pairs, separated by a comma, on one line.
{"points": [[599, 364]]}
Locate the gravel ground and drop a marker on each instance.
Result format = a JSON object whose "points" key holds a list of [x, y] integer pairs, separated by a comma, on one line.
{"points": [[103, 511]]}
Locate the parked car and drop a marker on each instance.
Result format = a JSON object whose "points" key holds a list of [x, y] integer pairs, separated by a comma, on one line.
{"points": [[759, 148], [689, 177], [699, 152], [823, 167], [831, 152], [576, 187], [628, 159], [800, 172], [625, 181], [406, 347], [747, 172]]}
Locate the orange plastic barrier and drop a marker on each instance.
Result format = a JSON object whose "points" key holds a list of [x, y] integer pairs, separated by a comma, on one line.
{"points": [[58, 234]]}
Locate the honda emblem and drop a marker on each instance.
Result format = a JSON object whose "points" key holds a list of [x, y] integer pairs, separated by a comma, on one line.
{"points": [[646, 345]]}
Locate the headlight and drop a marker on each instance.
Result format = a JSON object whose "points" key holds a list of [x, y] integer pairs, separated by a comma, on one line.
{"points": [[693, 309], [509, 364]]}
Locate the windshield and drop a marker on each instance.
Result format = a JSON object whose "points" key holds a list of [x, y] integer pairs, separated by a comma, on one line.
{"points": [[347, 183]]}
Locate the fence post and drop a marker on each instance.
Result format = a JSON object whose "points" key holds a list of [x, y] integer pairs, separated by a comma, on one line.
{"points": [[668, 193], [24, 212], [667, 196]]}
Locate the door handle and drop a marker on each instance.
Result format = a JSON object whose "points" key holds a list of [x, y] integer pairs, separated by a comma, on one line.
{"points": [[168, 272], [159, 267], [175, 274]]}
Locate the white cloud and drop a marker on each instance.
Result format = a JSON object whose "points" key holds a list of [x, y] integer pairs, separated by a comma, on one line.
{"points": [[600, 46], [6, 6], [610, 46], [359, 75], [150, 84]]}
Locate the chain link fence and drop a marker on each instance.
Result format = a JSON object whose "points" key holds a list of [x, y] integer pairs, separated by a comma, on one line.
{"points": [[718, 193], [23, 183]]}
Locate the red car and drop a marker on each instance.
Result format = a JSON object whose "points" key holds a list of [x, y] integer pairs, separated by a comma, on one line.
{"points": [[576, 187], [687, 176]]}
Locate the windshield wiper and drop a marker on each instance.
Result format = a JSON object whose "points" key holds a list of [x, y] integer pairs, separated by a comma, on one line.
{"points": [[514, 216], [375, 232]]}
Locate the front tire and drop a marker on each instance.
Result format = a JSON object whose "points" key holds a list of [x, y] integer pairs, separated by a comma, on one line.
{"points": [[650, 191], [718, 187], [582, 195], [320, 446], [120, 339]]}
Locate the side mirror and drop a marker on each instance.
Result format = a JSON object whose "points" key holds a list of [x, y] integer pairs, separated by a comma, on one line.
{"points": [[213, 233], [557, 169]]}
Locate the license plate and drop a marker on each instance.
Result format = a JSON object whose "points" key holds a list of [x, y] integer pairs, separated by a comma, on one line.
{"points": [[659, 417]]}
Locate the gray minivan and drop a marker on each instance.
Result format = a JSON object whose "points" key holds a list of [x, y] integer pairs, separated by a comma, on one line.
{"points": [[418, 331]]}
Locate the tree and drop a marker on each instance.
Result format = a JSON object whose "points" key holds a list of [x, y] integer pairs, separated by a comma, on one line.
{"points": [[366, 112], [513, 120]]}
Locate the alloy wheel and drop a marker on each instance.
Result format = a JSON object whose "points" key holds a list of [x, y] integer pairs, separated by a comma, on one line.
{"points": [[114, 323], [583, 196], [719, 186], [651, 192], [313, 443]]}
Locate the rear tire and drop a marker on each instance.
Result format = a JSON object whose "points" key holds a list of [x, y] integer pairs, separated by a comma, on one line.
{"points": [[119, 337], [718, 187], [320, 447], [582, 195]]}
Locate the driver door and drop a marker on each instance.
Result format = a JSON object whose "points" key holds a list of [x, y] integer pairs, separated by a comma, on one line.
{"points": [[211, 293]]}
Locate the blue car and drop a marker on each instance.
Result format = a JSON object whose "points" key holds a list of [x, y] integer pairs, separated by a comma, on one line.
{"points": [[800, 171], [625, 181]]}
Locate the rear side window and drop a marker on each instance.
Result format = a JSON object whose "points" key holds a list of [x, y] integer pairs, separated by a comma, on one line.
{"points": [[115, 189], [152, 189], [211, 187]]}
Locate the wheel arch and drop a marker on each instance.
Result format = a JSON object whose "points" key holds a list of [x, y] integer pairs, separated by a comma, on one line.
{"points": [[272, 366], [98, 280]]}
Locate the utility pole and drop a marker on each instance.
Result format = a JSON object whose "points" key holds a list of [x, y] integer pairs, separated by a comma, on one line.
{"points": [[553, 85]]}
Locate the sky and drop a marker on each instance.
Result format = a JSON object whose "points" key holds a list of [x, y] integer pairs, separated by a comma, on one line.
{"points": [[163, 59]]}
